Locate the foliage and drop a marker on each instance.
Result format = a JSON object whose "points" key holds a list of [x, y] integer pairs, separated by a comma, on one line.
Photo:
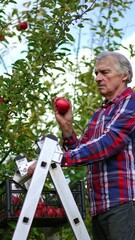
{"points": [[46, 69]]}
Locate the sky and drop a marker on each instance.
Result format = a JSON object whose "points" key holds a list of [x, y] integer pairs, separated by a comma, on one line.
{"points": [[128, 25]]}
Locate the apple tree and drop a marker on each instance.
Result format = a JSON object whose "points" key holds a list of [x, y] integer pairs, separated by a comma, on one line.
{"points": [[49, 65]]}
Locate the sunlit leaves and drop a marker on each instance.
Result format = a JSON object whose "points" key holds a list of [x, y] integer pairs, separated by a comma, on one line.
{"points": [[49, 69]]}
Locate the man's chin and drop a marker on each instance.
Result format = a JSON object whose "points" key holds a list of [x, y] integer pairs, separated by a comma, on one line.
{"points": [[102, 91]]}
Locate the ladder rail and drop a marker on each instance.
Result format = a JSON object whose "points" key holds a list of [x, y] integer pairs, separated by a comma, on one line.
{"points": [[34, 191], [68, 202], [49, 162]]}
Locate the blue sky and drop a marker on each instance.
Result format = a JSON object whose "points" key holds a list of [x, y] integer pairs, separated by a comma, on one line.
{"points": [[127, 24], [129, 21]]}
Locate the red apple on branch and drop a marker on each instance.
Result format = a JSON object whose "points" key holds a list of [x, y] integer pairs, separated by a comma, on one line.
{"points": [[1, 100], [22, 26], [2, 37], [62, 105]]}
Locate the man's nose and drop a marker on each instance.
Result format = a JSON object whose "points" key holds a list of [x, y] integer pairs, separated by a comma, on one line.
{"points": [[98, 77]]}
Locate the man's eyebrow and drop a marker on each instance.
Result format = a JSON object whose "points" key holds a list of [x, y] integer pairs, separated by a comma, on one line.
{"points": [[102, 70]]}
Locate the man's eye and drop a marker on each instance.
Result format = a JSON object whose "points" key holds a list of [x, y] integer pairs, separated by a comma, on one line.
{"points": [[105, 72]]}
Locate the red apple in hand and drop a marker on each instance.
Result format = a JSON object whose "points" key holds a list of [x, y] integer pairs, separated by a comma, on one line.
{"points": [[22, 26], [62, 105]]}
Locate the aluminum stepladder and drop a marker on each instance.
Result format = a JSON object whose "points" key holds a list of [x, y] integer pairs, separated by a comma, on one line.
{"points": [[49, 162]]}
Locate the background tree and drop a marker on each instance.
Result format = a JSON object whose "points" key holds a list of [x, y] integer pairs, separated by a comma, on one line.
{"points": [[47, 69]]}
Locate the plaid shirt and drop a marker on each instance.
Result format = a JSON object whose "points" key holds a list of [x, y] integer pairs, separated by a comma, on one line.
{"points": [[108, 149]]}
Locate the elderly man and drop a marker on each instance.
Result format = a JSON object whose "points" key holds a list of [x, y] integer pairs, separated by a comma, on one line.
{"points": [[107, 148]]}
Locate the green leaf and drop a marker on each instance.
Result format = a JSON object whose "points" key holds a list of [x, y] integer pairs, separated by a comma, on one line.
{"points": [[59, 68], [70, 37], [80, 25]]}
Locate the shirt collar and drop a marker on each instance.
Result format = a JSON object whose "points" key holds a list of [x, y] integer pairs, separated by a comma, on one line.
{"points": [[122, 95]]}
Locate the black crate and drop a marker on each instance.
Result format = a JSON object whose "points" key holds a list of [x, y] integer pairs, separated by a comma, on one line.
{"points": [[49, 212]]}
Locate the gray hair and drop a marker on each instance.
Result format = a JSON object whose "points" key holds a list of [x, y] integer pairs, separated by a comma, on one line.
{"points": [[123, 64]]}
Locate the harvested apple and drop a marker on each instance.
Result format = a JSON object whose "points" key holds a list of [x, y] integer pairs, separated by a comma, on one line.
{"points": [[62, 105], [51, 212], [60, 213]]}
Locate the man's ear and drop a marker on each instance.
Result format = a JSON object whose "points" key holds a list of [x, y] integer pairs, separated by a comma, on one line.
{"points": [[125, 77]]}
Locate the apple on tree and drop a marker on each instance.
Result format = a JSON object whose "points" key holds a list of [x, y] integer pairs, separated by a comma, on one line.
{"points": [[1, 100], [2, 37], [62, 105], [22, 26]]}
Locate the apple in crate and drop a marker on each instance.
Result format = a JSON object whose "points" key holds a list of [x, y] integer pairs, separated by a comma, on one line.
{"points": [[15, 199], [60, 213], [51, 212], [39, 210], [17, 212], [44, 211]]}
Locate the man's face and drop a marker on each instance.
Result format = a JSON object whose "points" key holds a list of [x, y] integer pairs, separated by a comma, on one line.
{"points": [[109, 80]]}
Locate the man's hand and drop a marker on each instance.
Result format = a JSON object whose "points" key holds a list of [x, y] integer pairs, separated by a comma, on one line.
{"points": [[31, 169]]}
